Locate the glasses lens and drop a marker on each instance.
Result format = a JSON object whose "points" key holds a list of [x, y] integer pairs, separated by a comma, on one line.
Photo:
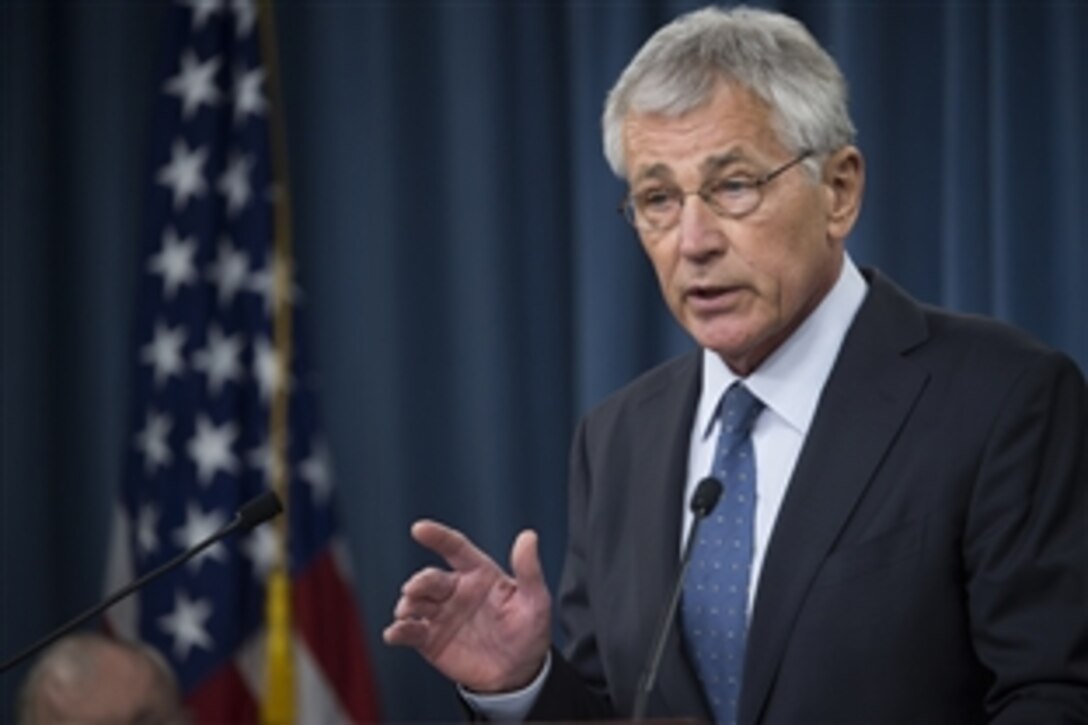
{"points": [[733, 197], [657, 209]]}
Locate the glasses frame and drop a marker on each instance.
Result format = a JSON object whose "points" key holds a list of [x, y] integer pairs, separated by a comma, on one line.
{"points": [[627, 209]]}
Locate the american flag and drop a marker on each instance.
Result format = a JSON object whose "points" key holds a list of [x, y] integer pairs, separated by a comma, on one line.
{"points": [[223, 406]]}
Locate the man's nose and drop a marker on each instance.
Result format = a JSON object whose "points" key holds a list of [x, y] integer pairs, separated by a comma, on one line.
{"points": [[699, 228]]}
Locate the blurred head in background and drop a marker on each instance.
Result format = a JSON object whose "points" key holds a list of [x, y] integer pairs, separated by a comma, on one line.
{"points": [[92, 678]]}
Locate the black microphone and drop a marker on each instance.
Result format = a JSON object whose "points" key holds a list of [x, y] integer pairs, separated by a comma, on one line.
{"points": [[703, 502], [253, 512]]}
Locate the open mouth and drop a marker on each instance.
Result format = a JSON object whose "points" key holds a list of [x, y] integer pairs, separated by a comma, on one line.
{"points": [[712, 297], [708, 293]]}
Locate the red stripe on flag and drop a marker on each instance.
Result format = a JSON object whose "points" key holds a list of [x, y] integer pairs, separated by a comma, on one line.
{"points": [[222, 698], [327, 620]]}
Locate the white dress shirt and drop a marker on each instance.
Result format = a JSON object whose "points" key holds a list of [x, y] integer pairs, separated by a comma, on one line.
{"points": [[789, 382]]}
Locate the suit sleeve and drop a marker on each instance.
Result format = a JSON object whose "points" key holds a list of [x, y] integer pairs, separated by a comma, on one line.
{"points": [[575, 689], [1026, 549]]}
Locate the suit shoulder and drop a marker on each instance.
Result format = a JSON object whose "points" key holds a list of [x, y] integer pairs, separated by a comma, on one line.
{"points": [[679, 375], [946, 341], [975, 340]]}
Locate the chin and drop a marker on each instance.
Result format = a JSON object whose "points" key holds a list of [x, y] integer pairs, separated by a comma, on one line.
{"points": [[725, 351], [733, 349], [727, 343]]}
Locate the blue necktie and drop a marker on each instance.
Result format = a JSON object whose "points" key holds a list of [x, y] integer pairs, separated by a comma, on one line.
{"points": [[715, 603]]}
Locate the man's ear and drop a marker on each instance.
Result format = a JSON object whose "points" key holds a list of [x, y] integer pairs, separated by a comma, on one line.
{"points": [[844, 178]]}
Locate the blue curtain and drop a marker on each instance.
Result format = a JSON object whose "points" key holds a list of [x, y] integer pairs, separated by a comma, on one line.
{"points": [[470, 289]]}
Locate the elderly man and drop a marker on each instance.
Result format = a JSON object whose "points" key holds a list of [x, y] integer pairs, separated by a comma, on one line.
{"points": [[91, 678], [901, 536]]}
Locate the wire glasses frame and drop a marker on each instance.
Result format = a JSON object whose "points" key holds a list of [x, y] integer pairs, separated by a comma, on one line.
{"points": [[731, 197]]}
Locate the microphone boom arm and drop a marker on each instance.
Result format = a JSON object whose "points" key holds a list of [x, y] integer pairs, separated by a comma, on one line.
{"points": [[252, 513], [703, 502]]}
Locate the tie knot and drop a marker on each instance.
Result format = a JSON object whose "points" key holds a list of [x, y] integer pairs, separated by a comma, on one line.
{"points": [[739, 409]]}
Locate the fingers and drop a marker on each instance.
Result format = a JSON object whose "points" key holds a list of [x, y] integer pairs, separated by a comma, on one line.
{"points": [[525, 563], [425, 598], [423, 595], [421, 600], [453, 546], [426, 594], [407, 633], [416, 609], [430, 583]]}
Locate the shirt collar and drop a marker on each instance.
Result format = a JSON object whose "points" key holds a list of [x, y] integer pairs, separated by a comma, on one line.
{"points": [[790, 380]]}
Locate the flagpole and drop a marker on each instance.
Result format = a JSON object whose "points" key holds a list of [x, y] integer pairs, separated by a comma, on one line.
{"points": [[278, 703]]}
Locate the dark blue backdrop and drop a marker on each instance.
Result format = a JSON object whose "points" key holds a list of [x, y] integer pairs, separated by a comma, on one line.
{"points": [[469, 288]]}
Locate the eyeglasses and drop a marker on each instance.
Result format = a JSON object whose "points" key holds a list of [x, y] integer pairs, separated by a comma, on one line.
{"points": [[658, 209]]}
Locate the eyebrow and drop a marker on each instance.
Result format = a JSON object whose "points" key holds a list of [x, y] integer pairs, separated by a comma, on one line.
{"points": [[655, 171], [708, 167], [716, 163]]}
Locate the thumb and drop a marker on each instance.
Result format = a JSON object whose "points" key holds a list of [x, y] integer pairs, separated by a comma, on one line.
{"points": [[525, 563]]}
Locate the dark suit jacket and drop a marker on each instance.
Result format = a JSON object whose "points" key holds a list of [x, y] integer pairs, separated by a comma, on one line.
{"points": [[929, 563]]}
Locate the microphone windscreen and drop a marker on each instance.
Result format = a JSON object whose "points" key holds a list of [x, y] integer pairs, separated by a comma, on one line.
{"points": [[258, 510], [706, 496]]}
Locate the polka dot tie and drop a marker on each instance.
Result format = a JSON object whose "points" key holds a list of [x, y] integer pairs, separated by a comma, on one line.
{"points": [[715, 603]]}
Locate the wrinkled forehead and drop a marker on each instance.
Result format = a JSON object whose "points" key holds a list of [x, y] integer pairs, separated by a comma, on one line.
{"points": [[731, 126]]}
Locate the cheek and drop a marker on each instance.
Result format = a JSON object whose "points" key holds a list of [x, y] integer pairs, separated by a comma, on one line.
{"points": [[765, 268], [804, 277], [785, 269], [664, 261]]}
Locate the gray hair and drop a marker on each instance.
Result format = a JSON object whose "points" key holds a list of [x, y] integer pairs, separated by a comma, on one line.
{"points": [[770, 54]]}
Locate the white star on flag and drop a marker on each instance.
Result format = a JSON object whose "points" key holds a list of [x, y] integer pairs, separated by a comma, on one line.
{"points": [[185, 173], [146, 523], [198, 527], [163, 353], [210, 448], [248, 99], [262, 549], [229, 271], [245, 13], [263, 282], [220, 359], [234, 183], [151, 441], [174, 261], [264, 459], [202, 10], [267, 369], [317, 471], [186, 624], [195, 83]]}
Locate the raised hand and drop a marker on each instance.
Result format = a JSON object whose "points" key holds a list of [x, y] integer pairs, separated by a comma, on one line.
{"points": [[475, 624]]}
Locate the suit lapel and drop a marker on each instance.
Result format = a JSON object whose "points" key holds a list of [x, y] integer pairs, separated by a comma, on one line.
{"points": [[865, 403], [660, 449]]}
